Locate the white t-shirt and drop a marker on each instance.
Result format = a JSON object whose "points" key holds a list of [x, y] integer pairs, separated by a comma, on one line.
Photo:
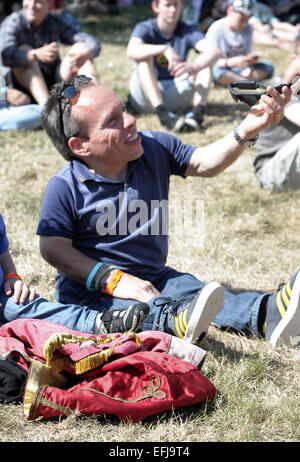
{"points": [[230, 43]]}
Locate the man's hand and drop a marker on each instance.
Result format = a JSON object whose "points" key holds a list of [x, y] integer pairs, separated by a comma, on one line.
{"points": [[267, 112], [16, 97], [131, 287], [243, 60], [172, 57], [47, 53], [20, 289], [77, 56], [184, 68]]}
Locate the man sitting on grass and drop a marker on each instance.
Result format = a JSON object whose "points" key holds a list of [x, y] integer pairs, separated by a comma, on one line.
{"points": [[103, 209]]}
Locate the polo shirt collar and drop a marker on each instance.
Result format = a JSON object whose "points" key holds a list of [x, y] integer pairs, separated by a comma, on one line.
{"points": [[83, 173]]}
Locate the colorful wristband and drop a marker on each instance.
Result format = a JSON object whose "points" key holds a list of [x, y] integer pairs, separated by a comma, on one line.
{"points": [[12, 275], [113, 281], [100, 275], [91, 277]]}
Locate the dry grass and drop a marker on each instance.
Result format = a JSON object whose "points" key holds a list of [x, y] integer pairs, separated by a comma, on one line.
{"points": [[251, 242]]}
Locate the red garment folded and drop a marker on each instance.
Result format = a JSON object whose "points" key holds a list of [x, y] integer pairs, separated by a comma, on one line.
{"points": [[128, 375]]}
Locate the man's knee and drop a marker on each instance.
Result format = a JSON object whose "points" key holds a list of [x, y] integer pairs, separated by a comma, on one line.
{"points": [[76, 50]]}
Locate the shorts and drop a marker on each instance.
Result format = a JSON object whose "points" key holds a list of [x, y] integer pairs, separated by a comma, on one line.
{"points": [[50, 79], [177, 93], [262, 65]]}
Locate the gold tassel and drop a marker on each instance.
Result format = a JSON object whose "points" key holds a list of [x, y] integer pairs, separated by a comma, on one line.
{"points": [[92, 361], [56, 341]]}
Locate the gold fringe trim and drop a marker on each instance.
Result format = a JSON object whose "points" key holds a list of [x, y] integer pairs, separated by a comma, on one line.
{"points": [[56, 341], [92, 361]]}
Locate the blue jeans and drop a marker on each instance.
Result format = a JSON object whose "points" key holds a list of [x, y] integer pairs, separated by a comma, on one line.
{"points": [[73, 316], [27, 117], [262, 65], [239, 311]]}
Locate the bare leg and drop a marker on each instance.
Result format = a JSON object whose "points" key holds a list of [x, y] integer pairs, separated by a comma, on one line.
{"points": [[202, 85], [257, 74], [74, 64], [149, 84], [229, 77], [32, 79]]}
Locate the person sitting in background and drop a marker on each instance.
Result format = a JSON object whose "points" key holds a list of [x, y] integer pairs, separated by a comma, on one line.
{"points": [[269, 30], [16, 112], [233, 35], [286, 10], [277, 162], [162, 81], [29, 45]]}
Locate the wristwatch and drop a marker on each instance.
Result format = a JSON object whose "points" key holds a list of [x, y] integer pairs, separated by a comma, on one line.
{"points": [[34, 55], [240, 140]]}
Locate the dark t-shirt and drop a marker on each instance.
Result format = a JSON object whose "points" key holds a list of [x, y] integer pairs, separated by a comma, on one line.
{"points": [[184, 39]]}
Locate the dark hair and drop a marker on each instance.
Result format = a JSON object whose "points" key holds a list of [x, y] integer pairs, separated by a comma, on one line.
{"points": [[57, 118]]}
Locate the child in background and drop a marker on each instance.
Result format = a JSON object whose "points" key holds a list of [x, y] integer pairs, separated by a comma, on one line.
{"points": [[162, 81], [233, 35]]}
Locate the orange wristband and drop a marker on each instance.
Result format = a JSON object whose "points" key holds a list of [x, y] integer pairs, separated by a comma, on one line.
{"points": [[113, 281], [12, 275]]}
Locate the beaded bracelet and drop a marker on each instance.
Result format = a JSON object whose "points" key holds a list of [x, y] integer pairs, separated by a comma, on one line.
{"points": [[113, 281], [12, 275], [91, 276]]}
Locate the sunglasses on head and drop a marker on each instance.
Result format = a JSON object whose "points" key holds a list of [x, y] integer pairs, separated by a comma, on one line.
{"points": [[68, 92], [250, 91]]}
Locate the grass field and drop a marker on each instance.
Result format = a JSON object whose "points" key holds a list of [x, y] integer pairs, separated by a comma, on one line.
{"points": [[251, 242]]}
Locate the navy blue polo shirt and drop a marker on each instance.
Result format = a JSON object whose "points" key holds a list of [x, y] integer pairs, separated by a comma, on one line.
{"points": [[184, 39], [122, 223]]}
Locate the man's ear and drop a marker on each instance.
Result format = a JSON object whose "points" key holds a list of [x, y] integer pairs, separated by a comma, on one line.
{"points": [[154, 6], [78, 146]]}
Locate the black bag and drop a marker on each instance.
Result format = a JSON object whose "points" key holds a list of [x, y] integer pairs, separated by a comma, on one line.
{"points": [[12, 379]]}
